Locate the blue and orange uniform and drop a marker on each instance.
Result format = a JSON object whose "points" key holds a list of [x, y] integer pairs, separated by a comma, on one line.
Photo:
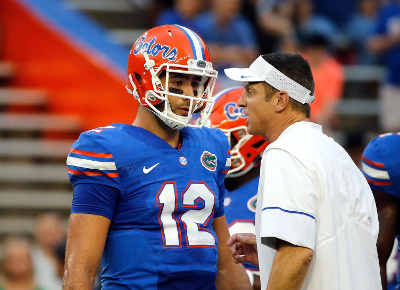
{"points": [[161, 202]]}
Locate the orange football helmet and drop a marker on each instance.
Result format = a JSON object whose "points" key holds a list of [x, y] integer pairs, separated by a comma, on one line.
{"points": [[227, 116], [171, 48]]}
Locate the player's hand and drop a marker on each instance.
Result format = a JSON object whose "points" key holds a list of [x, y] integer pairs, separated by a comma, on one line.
{"points": [[243, 248]]}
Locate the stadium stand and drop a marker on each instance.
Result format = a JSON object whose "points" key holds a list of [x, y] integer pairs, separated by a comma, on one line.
{"points": [[33, 147]]}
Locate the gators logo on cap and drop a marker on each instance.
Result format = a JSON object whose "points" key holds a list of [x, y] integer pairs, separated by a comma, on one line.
{"points": [[209, 160]]}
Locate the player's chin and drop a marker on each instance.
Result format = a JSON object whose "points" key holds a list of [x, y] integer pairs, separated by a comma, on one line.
{"points": [[253, 130], [250, 128]]}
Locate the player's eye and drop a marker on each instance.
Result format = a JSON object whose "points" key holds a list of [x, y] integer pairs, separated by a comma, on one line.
{"points": [[177, 82]]}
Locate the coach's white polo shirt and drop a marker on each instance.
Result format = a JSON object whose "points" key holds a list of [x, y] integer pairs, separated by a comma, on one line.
{"points": [[311, 194]]}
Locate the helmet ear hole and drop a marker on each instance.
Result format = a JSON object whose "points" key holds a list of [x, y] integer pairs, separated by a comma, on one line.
{"points": [[258, 144], [139, 78]]}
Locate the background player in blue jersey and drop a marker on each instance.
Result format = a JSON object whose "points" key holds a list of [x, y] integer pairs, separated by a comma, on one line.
{"points": [[381, 167], [149, 197], [241, 182]]}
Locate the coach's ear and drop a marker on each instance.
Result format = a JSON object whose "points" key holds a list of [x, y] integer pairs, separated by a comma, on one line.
{"points": [[281, 99]]}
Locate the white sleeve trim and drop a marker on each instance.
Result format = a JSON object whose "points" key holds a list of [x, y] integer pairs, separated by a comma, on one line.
{"points": [[375, 173], [91, 164]]}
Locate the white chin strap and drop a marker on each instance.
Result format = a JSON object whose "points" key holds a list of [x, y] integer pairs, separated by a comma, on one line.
{"points": [[280, 81], [175, 121], [169, 118]]}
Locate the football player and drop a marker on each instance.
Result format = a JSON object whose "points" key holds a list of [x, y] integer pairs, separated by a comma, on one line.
{"points": [[381, 167], [241, 182], [149, 197]]}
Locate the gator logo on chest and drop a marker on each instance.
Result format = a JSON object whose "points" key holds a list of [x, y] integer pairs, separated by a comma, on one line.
{"points": [[209, 160]]}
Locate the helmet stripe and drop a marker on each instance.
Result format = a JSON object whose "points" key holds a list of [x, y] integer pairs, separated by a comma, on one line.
{"points": [[197, 47], [225, 91], [201, 45]]}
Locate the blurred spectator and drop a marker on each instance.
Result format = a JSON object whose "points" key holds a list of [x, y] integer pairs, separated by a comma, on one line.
{"points": [[329, 82], [338, 11], [49, 233], [359, 28], [386, 41], [154, 9], [230, 37], [307, 22], [249, 11], [275, 18], [59, 252], [183, 12], [17, 267]]}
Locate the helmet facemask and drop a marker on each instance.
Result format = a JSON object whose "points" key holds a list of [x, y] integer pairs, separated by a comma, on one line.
{"points": [[158, 98], [239, 136]]}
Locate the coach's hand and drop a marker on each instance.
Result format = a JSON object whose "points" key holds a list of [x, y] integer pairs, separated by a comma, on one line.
{"points": [[243, 248]]}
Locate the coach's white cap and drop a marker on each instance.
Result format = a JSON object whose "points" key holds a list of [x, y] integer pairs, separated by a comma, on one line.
{"points": [[262, 71]]}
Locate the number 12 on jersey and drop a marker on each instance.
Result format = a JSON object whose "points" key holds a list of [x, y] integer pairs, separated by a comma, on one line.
{"points": [[193, 217]]}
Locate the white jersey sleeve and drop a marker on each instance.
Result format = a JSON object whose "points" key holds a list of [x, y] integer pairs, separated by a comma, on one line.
{"points": [[288, 212]]}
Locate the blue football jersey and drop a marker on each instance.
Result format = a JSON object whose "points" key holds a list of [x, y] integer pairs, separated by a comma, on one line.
{"points": [[381, 167], [240, 207], [381, 163], [161, 206]]}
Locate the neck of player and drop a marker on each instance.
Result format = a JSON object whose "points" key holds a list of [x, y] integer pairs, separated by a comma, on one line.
{"points": [[150, 122]]}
